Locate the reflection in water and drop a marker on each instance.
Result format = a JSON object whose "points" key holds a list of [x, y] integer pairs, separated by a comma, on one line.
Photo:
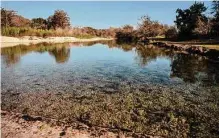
{"points": [[12, 55], [189, 68], [194, 68], [61, 54], [149, 53]]}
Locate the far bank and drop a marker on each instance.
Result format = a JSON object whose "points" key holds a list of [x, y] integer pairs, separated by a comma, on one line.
{"points": [[27, 40]]}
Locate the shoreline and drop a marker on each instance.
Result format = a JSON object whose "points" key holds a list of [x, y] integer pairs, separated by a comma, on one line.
{"points": [[24, 125], [191, 49], [28, 40]]}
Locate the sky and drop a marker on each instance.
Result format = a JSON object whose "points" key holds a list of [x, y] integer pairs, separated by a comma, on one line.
{"points": [[103, 14]]}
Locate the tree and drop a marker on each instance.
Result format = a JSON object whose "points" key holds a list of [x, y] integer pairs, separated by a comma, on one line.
{"points": [[171, 32], [187, 20], [60, 19], [202, 27], [215, 7], [39, 23], [128, 28], [215, 20], [149, 28], [20, 21], [6, 17]]}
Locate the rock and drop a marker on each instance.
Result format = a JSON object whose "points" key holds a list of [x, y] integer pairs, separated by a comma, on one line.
{"points": [[30, 118], [62, 133]]}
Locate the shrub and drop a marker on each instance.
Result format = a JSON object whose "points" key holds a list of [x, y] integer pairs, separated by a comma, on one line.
{"points": [[171, 33]]}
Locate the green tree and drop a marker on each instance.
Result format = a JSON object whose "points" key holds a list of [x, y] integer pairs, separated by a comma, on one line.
{"points": [[215, 20], [39, 23], [60, 19], [187, 20]]}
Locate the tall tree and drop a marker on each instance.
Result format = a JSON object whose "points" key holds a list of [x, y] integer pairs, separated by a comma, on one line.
{"points": [[187, 20], [215, 20], [215, 7], [60, 19], [6, 17]]}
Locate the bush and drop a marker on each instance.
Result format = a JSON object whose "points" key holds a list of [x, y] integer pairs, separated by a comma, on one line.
{"points": [[125, 37], [171, 33]]}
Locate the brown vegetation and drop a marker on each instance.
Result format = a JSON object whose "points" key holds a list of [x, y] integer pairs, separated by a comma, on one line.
{"points": [[57, 24]]}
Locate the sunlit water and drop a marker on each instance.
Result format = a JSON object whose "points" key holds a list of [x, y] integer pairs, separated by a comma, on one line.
{"points": [[100, 67]]}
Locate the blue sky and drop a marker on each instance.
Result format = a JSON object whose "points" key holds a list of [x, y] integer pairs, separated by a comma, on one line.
{"points": [[102, 14]]}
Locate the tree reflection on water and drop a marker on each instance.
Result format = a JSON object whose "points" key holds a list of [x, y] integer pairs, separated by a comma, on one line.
{"points": [[190, 68], [61, 54]]}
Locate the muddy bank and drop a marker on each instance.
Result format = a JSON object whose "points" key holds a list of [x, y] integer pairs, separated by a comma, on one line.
{"points": [[27, 40], [211, 53]]}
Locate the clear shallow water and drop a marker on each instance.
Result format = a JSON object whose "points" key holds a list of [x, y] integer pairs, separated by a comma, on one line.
{"points": [[102, 67], [144, 89]]}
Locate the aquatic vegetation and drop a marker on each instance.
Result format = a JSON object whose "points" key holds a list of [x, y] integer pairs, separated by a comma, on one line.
{"points": [[154, 111]]}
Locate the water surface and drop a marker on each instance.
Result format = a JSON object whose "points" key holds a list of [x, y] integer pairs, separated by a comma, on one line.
{"points": [[145, 89], [66, 66]]}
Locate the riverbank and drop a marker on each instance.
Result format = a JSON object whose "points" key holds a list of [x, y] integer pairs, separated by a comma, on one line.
{"points": [[22, 125], [190, 49], [27, 40]]}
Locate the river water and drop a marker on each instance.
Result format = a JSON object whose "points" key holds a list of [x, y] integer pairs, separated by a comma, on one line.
{"points": [[109, 68]]}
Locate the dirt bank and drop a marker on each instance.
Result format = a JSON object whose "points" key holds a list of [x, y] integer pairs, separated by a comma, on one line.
{"points": [[27, 40], [25, 126]]}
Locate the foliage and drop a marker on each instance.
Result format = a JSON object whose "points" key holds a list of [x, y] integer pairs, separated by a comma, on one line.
{"points": [[74, 32], [215, 20], [6, 17], [126, 34], [39, 23], [190, 23], [215, 7], [19, 21], [60, 19], [202, 27], [128, 28], [171, 33], [127, 37], [10, 19], [150, 28], [187, 20]]}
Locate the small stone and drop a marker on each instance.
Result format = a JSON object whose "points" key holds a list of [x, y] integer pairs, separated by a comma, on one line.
{"points": [[62, 133]]}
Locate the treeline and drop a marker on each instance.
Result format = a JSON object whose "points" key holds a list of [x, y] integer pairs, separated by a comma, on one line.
{"points": [[191, 23], [57, 24]]}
